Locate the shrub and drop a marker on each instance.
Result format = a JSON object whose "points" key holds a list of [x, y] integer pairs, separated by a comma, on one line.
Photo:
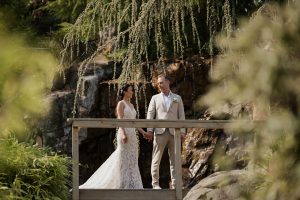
{"points": [[27, 172]]}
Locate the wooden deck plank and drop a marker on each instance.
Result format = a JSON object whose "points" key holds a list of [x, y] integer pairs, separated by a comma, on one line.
{"points": [[144, 194]]}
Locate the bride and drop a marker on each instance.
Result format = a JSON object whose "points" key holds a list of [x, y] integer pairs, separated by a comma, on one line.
{"points": [[120, 170]]}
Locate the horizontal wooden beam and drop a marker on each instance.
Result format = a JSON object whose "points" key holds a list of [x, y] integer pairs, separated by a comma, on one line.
{"points": [[144, 194], [146, 123]]}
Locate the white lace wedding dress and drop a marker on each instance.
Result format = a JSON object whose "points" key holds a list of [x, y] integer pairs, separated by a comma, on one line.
{"points": [[120, 170]]}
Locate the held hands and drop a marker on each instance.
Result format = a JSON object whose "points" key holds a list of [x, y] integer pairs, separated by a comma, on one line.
{"points": [[148, 135]]}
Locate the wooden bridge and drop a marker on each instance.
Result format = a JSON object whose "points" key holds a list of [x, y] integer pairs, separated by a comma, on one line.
{"points": [[145, 194]]}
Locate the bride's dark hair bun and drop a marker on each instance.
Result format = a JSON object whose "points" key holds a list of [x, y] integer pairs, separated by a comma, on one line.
{"points": [[123, 89]]}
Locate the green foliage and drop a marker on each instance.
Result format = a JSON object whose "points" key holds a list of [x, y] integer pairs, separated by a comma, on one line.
{"points": [[41, 21], [260, 66], [15, 14], [27, 172], [25, 76], [58, 16], [26, 73], [66, 10]]}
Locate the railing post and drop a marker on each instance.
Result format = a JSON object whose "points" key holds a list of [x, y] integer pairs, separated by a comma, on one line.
{"points": [[75, 155], [178, 169]]}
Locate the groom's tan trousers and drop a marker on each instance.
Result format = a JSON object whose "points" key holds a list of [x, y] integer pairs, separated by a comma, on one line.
{"points": [[159, 143]]}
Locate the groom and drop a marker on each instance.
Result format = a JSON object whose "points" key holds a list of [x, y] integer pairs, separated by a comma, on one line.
{"points": [[165, 105]]}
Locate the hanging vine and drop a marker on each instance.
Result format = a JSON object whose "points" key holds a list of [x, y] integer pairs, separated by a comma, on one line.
{"points": [[135, 29]]}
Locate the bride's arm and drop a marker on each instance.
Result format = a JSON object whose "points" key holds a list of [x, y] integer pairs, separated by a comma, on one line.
{"points": [[120, 115], [141, 131]]}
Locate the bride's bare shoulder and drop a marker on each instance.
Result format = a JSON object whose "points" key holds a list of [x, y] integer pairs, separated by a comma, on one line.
{"points": [[120, 103]]}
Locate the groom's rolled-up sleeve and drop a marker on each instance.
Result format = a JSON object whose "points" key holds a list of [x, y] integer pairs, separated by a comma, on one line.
{"points": [[151, 112], [181, 114]]}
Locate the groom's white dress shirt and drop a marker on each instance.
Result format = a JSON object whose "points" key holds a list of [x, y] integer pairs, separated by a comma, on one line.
{"points": [[167, 100]]}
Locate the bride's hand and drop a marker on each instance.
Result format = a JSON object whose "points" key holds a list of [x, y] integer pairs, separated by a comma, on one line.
{"points": [[124, 138]]}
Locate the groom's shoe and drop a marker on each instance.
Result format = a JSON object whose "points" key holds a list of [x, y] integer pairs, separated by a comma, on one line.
{"points": [[156, 187]]}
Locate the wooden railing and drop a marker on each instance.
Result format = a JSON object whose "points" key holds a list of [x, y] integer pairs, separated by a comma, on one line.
{"points": [[78, 123]]}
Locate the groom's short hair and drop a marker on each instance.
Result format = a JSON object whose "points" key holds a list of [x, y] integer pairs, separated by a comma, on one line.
{"points": [[163, 75]]}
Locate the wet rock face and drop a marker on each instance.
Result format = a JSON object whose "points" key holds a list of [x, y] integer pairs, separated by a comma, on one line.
{"points": [[198, 150], [207, 151], [92, 102], [54, 127]]}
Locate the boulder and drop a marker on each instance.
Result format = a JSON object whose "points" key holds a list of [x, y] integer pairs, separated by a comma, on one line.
{"points": [[223, 185]]}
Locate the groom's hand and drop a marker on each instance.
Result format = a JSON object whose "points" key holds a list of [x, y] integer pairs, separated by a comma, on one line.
{"points": [[149, 136]]}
